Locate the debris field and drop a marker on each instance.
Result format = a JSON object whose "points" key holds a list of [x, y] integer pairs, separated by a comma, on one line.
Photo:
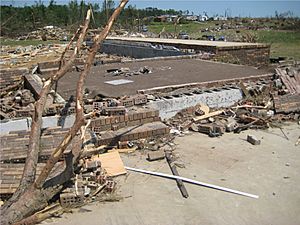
{"points": [[147, 116]]}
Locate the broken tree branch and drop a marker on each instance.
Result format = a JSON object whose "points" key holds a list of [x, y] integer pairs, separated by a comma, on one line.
{"points": [[76, 34]]}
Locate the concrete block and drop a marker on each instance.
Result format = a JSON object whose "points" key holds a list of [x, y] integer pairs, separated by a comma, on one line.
{"points": [[156, 155], [253, 140], [231, 124]]}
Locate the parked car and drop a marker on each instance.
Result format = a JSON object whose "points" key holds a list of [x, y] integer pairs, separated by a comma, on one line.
{"points": [[144, 29], [222, 38], [209, 37], [183, 35]]}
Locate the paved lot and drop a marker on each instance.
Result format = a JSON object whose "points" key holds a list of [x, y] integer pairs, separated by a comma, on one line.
{"points": [[180, 72], [270, 170]]}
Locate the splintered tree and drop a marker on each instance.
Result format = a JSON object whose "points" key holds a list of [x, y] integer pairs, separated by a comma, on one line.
{"points": [[34, 192]]}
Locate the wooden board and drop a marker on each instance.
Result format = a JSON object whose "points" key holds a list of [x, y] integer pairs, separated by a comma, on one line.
{"points": [[112, 163], [198, 118]]}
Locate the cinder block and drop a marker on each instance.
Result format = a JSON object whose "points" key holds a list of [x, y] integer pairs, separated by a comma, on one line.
{"points": [[149, 114], [102, 121], [253, 140], [144, 115], [139, 116], [70, 200], [156, 155]]}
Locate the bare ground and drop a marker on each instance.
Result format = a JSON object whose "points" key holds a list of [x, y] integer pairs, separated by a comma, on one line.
{"points": [[270, 170]]}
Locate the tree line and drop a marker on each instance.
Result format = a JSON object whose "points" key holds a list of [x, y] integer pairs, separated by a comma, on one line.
{"points": [[21, 20]]}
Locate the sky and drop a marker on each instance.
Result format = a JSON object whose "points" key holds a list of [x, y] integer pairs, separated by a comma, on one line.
{"points": [[258, 8]]}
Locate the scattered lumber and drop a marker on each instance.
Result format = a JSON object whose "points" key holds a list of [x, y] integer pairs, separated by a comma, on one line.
{"points": [[179, 182]]}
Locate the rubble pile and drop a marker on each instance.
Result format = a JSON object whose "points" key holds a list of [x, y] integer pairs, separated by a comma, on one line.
{"points": [[47, 33], [263, 106], [18, 104], [90, 181], [30, 55], [126, 72]]}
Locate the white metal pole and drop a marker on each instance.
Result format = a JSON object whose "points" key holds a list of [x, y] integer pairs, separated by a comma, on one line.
{"points": [[193, 182]]}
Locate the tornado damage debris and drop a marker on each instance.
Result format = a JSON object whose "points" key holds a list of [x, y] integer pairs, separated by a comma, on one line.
{"points": [[84, 113]]}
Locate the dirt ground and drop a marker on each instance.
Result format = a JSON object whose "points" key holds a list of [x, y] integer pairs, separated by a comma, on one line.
{"points": [[270, 170]]}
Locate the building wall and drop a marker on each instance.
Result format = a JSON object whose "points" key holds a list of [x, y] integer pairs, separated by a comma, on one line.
{"points": [[135, 50], [223, 97], [257, 56]]}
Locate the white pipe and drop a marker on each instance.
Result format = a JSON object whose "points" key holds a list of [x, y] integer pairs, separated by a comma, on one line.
{"points": [[193, 182]]}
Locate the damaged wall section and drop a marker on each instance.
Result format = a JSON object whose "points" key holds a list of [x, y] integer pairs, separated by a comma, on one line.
{"points": [[138, 50], [216, 98]]}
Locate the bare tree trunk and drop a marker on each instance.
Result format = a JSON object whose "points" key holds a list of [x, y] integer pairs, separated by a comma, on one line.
{"points": [[79, 121], [21, 207]]}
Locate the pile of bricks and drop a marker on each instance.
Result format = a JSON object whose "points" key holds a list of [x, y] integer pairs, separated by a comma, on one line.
{"points": [[132, 118], [138, 99]]}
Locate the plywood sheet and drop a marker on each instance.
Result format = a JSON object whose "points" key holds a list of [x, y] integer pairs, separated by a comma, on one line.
{"points": [[112, 163]]}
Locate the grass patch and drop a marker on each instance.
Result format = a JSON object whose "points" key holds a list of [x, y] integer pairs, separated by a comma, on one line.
{"points": [[13, 42], [283, 43], [190, 28]]}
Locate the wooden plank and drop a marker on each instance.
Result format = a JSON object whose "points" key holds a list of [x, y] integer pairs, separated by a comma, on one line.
{"points": [[179, 182], [292, 83], [198, 118], [123, 150]]}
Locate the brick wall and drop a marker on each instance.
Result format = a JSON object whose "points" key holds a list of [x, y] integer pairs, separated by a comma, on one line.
{"points": [[256, 56], [154, 129], [132, 118], [10, 76]]}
